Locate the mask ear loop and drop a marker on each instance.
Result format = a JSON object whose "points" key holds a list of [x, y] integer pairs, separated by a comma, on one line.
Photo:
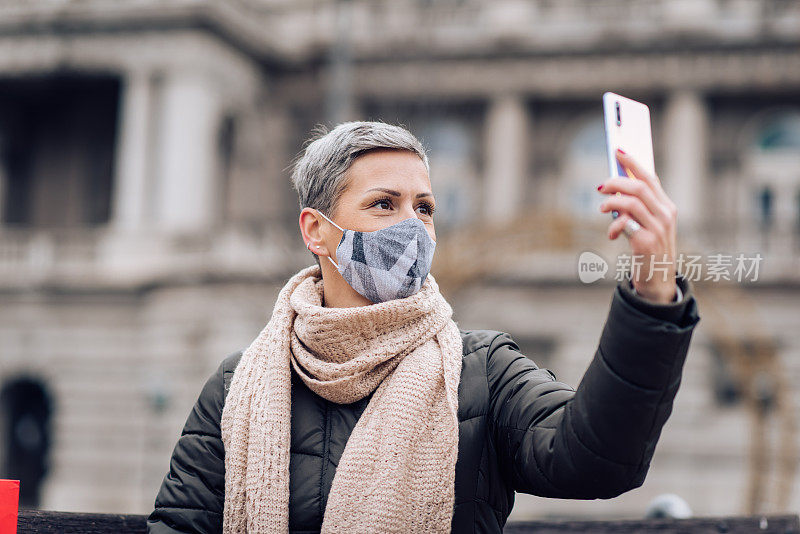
{"points": [[337, 226]]}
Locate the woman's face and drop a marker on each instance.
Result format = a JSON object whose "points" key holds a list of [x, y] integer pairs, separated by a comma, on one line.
{"points": [[383, 188]]}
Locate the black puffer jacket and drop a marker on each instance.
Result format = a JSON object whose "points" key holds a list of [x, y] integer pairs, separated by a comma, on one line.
{"points": [[519, 429]]}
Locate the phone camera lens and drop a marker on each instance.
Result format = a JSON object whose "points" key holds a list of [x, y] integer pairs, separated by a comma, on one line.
{"points": [[619, 116]]}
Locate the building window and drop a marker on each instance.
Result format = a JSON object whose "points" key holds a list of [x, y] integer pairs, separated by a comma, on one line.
{"points": [[226, 148], [586, 164], [780, 133], [797, 221], [725, 387], [735, 359], [773, 165], [58, 136], [454, 176], [765, 207], [25, 409]]}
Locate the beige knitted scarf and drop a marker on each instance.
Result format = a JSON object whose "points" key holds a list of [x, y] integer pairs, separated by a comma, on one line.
{"points": [[397, 471]]}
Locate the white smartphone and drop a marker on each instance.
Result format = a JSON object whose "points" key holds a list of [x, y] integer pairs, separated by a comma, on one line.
{"points": [[627, 128]]}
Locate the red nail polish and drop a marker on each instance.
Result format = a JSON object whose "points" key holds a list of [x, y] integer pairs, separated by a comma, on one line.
{"points": [[621, 151], [600, 187]]}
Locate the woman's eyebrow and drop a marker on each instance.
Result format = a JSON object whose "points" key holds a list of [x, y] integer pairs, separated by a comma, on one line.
{"points": [[397, 193]]}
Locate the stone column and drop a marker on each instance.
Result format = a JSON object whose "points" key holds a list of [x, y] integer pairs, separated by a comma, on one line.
{"points": [[686, 132], [188, 153], [506, 136], [129, 209]]}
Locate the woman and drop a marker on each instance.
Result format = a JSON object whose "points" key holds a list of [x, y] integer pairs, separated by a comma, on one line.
{"points": [[362, 407]]}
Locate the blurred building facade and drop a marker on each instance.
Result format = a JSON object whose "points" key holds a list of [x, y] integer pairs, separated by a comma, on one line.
{"points": [[148, 220]]}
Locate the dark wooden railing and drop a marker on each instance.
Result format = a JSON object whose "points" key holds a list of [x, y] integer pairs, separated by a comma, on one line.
{"points": [[45, 522]]}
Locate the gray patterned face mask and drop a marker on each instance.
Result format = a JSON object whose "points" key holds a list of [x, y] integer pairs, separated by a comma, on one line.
{"points": [[390, 263]]}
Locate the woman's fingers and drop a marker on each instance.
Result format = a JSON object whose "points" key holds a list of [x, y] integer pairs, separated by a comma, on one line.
{"points": [[635, 208], [640, 190], [650, 179], [628, 162], [616, 227]]}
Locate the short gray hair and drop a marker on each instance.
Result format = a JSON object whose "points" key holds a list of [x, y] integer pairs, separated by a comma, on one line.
{"points": [[318, 174]]}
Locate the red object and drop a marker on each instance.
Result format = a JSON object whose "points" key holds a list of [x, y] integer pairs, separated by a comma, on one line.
{"points": [[9, 506], [600, 187]]}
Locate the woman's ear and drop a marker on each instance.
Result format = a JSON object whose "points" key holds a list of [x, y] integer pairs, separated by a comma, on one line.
{"points": [[310, 229]]}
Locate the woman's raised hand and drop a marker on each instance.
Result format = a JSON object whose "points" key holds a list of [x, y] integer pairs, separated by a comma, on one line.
{"points": [[653, 244]]}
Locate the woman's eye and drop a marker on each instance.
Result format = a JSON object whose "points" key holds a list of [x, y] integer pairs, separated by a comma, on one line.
{"points": [[428, 209], [385, 203]]}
